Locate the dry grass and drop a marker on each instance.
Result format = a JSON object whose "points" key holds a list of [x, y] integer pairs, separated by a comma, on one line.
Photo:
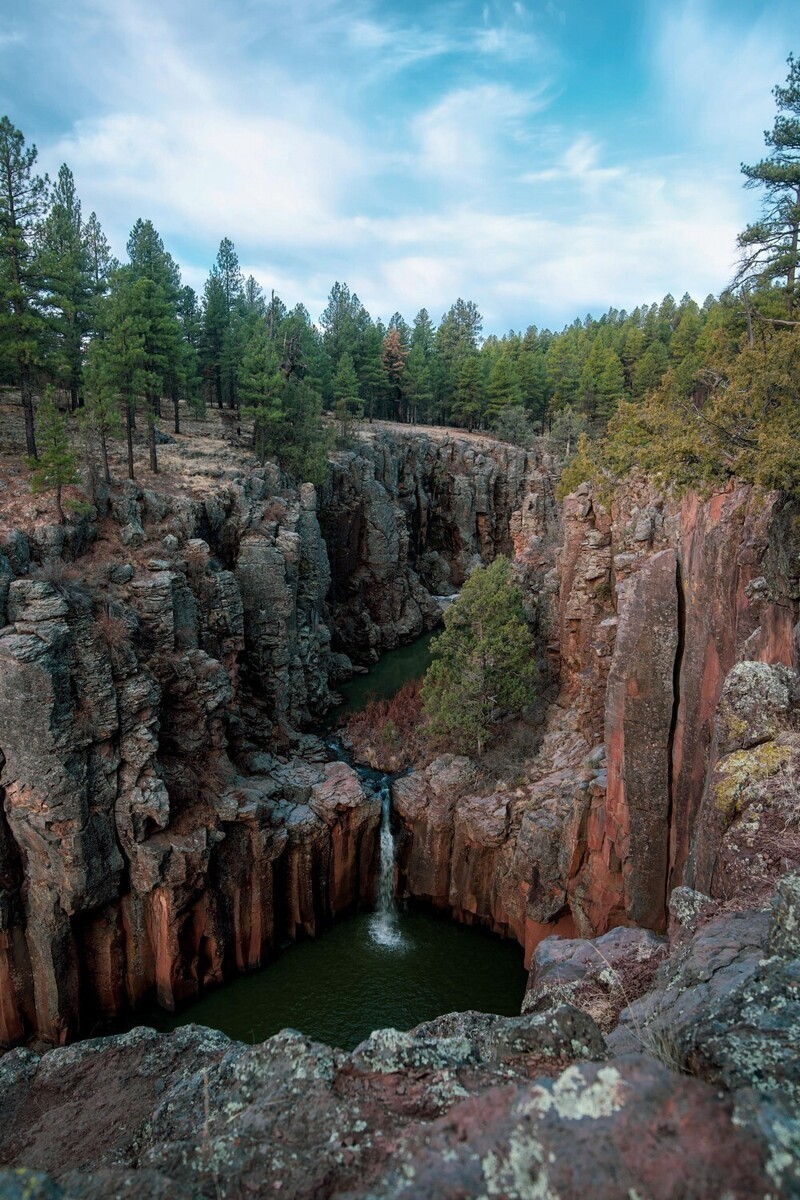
{"points": [[113, 631], [393, 727], [615, 988], [68, 580]]}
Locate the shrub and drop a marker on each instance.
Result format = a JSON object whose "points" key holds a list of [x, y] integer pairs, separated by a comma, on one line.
{"points": [[484, 662], [394, 723]]}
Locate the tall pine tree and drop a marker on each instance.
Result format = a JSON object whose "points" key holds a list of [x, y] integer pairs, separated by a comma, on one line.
{"points": [[23, 198]]}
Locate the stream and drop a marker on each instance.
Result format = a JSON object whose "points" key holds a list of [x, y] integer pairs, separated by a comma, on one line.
{"points": [[391, 967]]}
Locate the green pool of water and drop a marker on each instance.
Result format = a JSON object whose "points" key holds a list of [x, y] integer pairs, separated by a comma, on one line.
{"points": [[395, 668], [340, 987]]}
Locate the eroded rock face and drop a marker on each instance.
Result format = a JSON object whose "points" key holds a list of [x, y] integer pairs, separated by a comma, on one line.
{"points": [[407, 516], [151, 827], [151, 842], [624, 800], [162, 826]]}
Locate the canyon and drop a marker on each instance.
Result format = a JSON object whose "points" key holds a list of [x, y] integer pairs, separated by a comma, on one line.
{"points": [[170, 818], [166, 821]]}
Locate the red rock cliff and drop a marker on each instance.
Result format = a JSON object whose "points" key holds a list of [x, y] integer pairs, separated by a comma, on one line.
{"points": [[657, 602]]}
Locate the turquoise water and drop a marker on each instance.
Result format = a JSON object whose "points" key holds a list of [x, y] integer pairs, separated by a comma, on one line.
{"points": [[342, 986], [395, 668]]}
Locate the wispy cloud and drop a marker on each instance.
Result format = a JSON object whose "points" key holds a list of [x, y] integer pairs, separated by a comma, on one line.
{"points": [[468, 131], [419, 152], [716, 75], [577, 166]]}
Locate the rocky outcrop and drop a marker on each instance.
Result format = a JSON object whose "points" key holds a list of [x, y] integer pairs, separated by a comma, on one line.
{"points": [[601, 976], [693, 1092], [157, 836], [472, 1106], [692, 599], [406, 517]]}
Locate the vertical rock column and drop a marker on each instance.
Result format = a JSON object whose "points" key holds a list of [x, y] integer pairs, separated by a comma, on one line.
{"points": [[640, 703]]}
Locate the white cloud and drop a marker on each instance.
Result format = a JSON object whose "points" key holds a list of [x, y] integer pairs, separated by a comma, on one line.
{"points": [[717, 74], [215, 171], [467, 131], [290, 132], [648, 234], [578, 165], [368, 35]]}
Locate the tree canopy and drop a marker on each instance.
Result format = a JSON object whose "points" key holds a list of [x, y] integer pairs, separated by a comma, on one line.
{"points": [[484, 661]]}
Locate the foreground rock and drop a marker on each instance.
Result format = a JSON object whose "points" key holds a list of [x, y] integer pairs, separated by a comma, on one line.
{"points": [[412, 1115], [694, 1094]]}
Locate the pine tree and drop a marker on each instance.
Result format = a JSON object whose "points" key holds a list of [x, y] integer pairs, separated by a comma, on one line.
{"points": [[649, 370], [185, 379], [347, 403], [262, 388], [305, 442], [68, 281], [371, 375], [215, 324], [341, 321], [418, 386], [484, 661], [502, 390], [117, 358], [100, 415], [534, 382], [393, 359], [56, 466], [469, 394], [150, 293], [23, 197], [423, 333], [770, 246]]}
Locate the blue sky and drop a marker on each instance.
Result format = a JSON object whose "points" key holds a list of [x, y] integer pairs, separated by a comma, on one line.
{"points": [[545, 158]]}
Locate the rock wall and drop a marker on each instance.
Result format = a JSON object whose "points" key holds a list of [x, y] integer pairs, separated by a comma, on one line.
{"points": [[658, 601], [163, 824], [408, 515]]}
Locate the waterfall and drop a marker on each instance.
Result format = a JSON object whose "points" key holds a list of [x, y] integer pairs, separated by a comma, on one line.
{"points": [[384, 926]]}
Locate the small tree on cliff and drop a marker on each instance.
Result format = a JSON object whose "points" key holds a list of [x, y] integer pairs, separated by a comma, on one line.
{"points": [[484, 660], [56, 468]]}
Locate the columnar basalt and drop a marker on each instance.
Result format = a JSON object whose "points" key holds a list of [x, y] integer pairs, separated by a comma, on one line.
{"points": [[659, 599], [164, 824]]}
